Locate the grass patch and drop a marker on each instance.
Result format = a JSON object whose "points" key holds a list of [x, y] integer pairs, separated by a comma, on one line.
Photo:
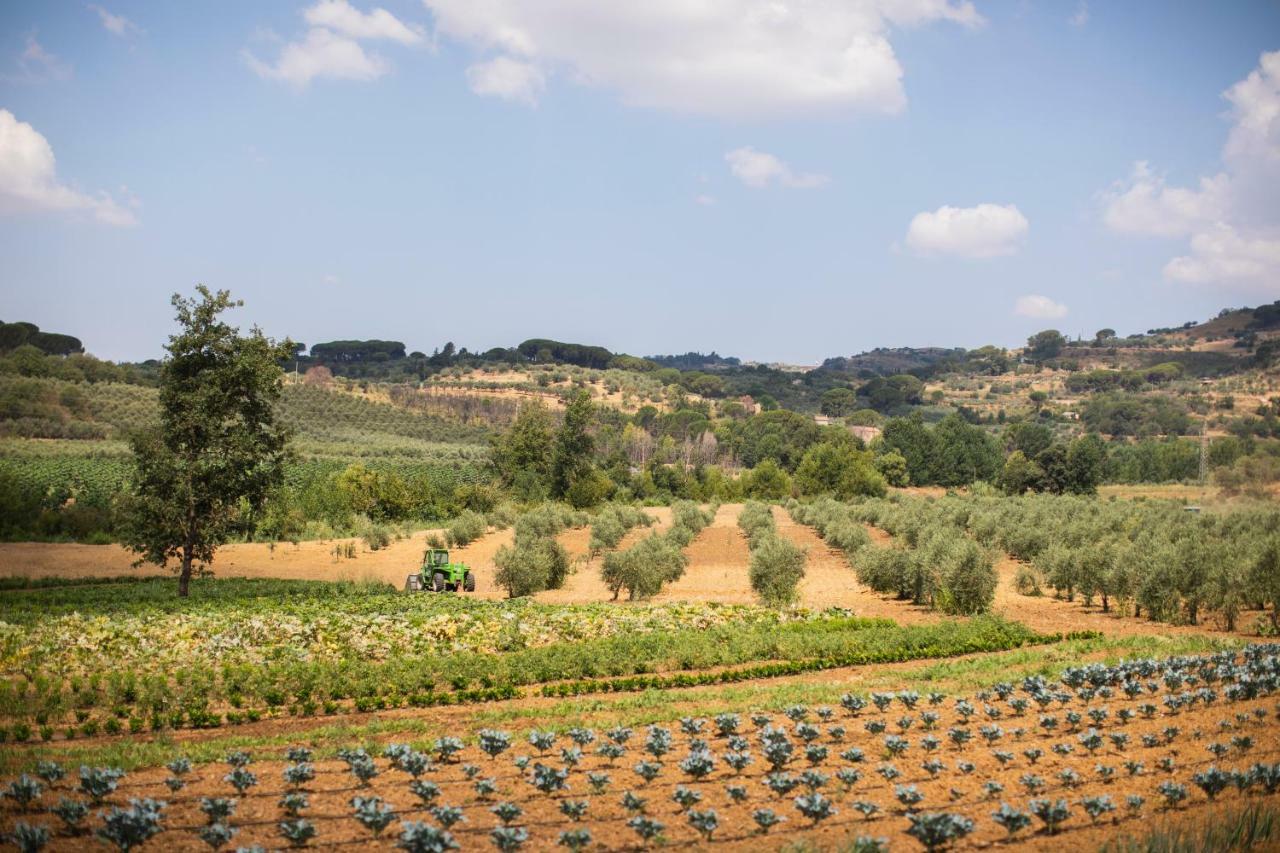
{"points": [[1239, 828]]}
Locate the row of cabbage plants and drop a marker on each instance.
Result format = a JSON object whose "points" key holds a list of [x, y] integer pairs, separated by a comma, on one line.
{"points": [[736, 777]]}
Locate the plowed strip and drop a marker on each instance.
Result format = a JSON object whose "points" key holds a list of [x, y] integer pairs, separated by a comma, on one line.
{"points": [[718, 559], [829, 580], [584, 585]]}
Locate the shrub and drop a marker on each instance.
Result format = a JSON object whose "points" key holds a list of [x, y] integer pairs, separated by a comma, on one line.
{"points": [[968, 580], [466, 528], [777, 567], [530, 566], [1027, 581], [644, 568]]}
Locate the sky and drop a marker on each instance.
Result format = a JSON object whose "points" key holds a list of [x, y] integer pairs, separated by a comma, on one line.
{"points": [[780, 180]]}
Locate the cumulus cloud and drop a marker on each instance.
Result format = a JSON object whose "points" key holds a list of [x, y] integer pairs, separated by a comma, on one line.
{"points": [[1231, 221], [1039, 307], [341, 17], [1144, 204], [29, 181], [331, 47], [1220, 253], [320, 54], [737, 58], [117, 25], [508, 78], [758, 170], [984, 231]]}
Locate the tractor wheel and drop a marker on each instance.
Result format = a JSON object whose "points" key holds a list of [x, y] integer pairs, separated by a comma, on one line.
{"points": [[437, 582], [469, 582]]}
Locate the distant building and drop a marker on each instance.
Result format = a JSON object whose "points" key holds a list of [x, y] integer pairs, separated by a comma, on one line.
{"points": [[866, 433]]}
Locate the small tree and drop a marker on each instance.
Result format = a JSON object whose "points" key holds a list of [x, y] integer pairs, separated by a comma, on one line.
{"points": [[1045, 345], [777, 567], [218, 450]]}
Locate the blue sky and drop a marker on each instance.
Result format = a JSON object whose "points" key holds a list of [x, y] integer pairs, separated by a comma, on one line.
{"points": [[775, 180]]}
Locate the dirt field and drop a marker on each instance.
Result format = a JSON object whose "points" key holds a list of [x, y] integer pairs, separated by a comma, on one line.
{"points": [[953, 790], [717, 571]]}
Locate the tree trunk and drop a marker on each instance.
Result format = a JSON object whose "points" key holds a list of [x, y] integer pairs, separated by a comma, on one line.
{"points": [[184, 577], [1106, 605]]}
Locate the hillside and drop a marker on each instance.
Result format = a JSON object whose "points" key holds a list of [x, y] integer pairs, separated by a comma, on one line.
{"points": [[403, 437]]}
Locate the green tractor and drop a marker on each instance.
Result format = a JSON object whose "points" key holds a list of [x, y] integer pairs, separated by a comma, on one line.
{"points": [[439, 575]]}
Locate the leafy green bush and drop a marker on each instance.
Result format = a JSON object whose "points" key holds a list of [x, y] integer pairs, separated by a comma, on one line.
{"points": [[466, 528], [777, 567], [612, 524], [531, 565], [646, 566], [968, 580]]}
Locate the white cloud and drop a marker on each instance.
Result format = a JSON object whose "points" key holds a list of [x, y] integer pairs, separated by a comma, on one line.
{"points": [[508, 78], [758, 170], [1145, 205], [117, 25], [340, 16], [1081, 16], [705, 200], [738, 58], [1232, 219], [984, 231], [29, 181], [331, 47], [1220, 254], [1039, 307], [321, 54]]}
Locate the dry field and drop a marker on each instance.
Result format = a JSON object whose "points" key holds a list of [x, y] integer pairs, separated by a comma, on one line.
{"points": [[717, 571], [1140, 748]]}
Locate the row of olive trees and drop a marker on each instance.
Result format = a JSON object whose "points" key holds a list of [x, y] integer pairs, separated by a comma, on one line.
{"points": [[932, 562], [612, 523], [536, 561], [1146, 558], [777, 565], [658, 558]]}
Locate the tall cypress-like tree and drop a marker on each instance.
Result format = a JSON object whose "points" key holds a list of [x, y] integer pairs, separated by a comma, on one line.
{"points": [[218, 450], [574, 445]]}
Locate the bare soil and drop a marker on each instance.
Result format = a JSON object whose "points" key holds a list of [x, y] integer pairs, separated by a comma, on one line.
{"points": [[258, 814]]}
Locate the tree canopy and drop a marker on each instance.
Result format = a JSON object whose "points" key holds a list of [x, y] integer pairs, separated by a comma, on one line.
{"points": [[218, 451]]}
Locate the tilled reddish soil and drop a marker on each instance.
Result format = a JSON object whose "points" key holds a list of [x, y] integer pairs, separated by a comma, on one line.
{"points": [[718, 564], [304, 561], [717, 571], [258, 814]]}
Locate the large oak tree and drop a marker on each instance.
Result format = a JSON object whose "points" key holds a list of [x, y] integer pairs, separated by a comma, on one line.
{"points": [[218, 451]]}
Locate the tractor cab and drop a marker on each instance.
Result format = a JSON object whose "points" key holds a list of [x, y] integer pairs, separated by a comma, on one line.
{"points": [[439, 575]]}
